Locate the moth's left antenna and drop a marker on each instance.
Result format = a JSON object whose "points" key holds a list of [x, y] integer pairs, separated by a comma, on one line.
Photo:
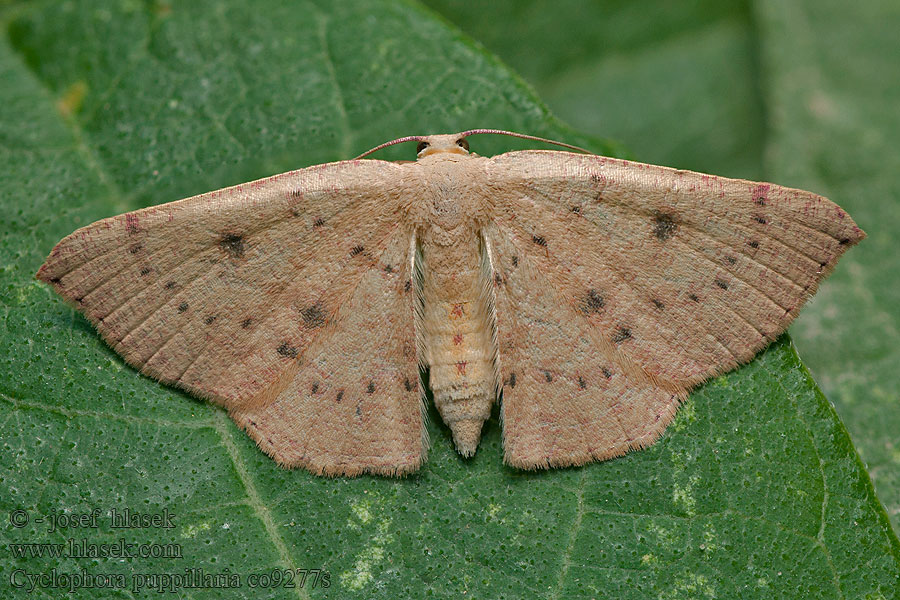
{"points": [[409, 138]]}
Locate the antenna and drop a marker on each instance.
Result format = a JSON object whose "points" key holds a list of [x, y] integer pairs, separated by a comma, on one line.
{"points": [[524, 136]]}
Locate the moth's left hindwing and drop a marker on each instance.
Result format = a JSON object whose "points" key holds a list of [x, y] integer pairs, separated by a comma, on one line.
{"points": [[223, 293]]}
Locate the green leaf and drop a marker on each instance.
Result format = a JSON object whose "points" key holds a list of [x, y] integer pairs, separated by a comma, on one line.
{"points": [[755, 491], [801, 92]]}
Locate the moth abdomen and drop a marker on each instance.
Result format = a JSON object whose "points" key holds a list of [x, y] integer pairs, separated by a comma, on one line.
{"points": [[458, 337]]}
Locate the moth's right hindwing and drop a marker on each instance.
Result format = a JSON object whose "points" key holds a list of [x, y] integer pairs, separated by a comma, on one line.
{"points": [[625, 285]]}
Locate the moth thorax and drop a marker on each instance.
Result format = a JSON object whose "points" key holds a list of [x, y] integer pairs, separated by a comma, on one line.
{"points": [[458, 336]]}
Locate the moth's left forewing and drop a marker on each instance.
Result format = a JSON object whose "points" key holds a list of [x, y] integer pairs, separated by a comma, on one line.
{"points": [[676, 276]]}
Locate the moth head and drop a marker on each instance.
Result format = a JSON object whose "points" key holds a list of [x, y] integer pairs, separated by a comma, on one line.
{"points": [[434, 144]]}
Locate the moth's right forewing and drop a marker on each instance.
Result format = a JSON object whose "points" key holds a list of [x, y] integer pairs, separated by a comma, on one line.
{"points": [[687, 274]]}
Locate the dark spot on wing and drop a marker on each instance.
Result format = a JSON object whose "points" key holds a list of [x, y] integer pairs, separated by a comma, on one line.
{"points": [[340, 395], [606, 373], [246, 323], [512, 380], [753, 244], [761, 194], [55, 280], [209, 320], [356, 250], [145, 271], [313, 316], [498, 279], [730, 260], [358, 411], [315, 387], [622, 333], [575, 209], [233, 245], [319, 222], [539, 240], [844, 241], [287, 350], [370, 389], [388, 269], [135, 248], [170, 285], [592, 302], [664, 226], [407, 384], [760, 219], [581, 383], [407, 286], [515, 261], [131, 223], [694, 297], [548, 376], [658, 304], [182, 307], [722, 284]]}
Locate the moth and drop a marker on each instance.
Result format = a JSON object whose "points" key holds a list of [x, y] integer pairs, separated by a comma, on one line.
{"points": [[589, 294]]}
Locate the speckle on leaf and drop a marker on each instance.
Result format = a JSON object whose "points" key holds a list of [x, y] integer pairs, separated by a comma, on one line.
{"points": [[287, 350], [622, 333], [664, 226], [313, 316], [233, 245]]}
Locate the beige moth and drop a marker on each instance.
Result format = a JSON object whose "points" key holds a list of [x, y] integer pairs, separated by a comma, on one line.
{"points": [[587, 294]]}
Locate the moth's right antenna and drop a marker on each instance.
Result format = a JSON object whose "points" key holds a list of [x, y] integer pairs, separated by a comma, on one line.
{"points": [[524, 136]]}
